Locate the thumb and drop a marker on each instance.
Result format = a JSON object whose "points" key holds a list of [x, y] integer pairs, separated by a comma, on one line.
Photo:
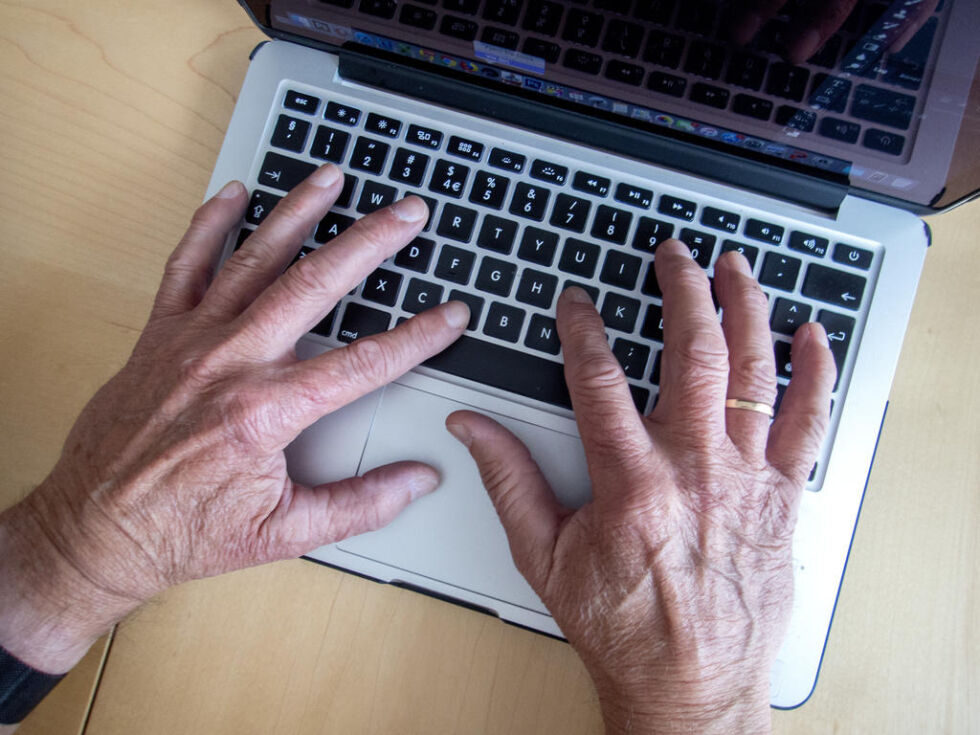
{"points": [[524, 501]]}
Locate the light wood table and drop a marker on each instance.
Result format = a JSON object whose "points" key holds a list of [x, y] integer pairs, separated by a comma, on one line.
{"points": [[111, 117]]}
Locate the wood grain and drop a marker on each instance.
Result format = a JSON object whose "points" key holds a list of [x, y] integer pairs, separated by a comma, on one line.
{"points": [[112, 116]]}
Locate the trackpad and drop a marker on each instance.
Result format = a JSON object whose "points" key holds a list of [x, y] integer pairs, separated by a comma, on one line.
{"points": [[453, 535]]}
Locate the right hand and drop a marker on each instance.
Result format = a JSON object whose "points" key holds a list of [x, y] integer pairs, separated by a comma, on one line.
{"points": [[674, 583]]}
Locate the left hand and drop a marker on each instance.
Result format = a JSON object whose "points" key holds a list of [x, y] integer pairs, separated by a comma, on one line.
{"points": [[175, 470]]}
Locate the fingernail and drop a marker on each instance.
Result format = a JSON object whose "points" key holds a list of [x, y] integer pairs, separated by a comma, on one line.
{"points": [[676, 245], [806, 46], [577, 295], [410, 209], [456, 314], [423, 483], [230, 190], [461, 433], [739, 262], [325, 176]]}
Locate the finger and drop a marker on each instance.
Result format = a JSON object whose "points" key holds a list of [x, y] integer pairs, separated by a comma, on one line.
{"points": [[913, 24], [810, 33], [302, 295], [320, 385], [611, 428], [308, 518], [262, 257], [801, 424], [524, 501], [749, 19], [188, 270], [694, 367], [752, 366]]}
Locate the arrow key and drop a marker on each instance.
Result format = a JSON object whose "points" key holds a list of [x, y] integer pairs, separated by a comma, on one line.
{"points": [[840, 329], [787, 315], [834, 286]]}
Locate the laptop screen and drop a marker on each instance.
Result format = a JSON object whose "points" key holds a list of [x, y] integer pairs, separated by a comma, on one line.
{"points": [[874, 93]]}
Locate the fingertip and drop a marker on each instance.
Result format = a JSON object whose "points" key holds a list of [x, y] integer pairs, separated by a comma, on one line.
{"points": [[410, 209], [456, 314], [423, 480], [459, 430], [576, 295], [232, 190]]}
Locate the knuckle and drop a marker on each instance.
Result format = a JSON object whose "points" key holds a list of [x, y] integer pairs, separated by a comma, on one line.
{"points": [[756, 371], [597, 371], [244, 420], [307, 278], [294, 211], [699, 347], [370, 360]]}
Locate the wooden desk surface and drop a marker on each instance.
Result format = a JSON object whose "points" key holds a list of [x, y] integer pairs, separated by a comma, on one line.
{"points": [[111, 117]]}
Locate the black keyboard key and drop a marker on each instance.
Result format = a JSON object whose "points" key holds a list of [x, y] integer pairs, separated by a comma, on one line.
{"points": [[408, 167], [840, 331], [471, 300], [259, 206], [620, 71], [529, 201], [542, 334], [619, 312], [701, 245], [243, 235], [499, 158], [653, 324], [431, 204], [705, 59], [882, 106], [635, 195], [582, 27], [620, 269], [570, 213], [500, 37], [341, 113], [623, 38], [537, 288], [380, 8], [332, 224], [550, 172], [503, 11], [663, 49], [719, 219], [650, 233], [329, 144], [805, 243], [754, 107], [680, 208], [843, 130], [421, 295], [417, 17], [290, 133], [325, 326], [850, 255], [383, 125], [448, 178], [543, 16], [374, 196], [666, 84], [632, 356], [496, 276], [611, 224], [655, 373], [382, 287], [650, 285], [880, 140], [455, 265], [489, 189], [906, 67], [784, 362], [697, 16], [347, 191], [834, 287], [656, 11], [579, 258], [707, 94], [301, 102], [504, 322], [425, 137], [456, 222], [829, 93], [542, 49], [362, 321], [795, 118], [751, 254], [780, 271], [827, 55], [417, 255], [591, 184], [538, 246], [787, 81], [592, 291], [465, 148], [582, 61], [788, 315], [746, 70], [281, 172], [455, 27], [497, 234], [369, 155], [462, 6], [764, 231], [504, 368]]}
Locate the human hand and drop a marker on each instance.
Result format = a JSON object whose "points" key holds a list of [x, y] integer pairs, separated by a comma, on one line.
{"points": [[674, 583], [175, 469], [817, 21]]}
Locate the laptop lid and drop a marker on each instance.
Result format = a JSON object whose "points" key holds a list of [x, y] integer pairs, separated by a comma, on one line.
{"points": [[869, 112]]}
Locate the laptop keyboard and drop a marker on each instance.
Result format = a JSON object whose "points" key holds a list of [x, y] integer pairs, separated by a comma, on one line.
{"points": [[510, 228]]}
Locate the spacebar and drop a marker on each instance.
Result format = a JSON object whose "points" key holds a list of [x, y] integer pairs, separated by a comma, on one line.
{"points": [[504, 368]]}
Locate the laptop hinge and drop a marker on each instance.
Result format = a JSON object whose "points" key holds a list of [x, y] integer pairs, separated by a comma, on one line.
{"points": [[396, 74]]}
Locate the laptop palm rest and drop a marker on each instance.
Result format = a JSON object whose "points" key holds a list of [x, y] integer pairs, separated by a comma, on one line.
{"points": [[453, 535]]}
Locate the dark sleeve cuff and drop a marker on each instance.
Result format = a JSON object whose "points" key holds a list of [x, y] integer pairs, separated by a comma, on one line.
{"points": [[21, 688]]}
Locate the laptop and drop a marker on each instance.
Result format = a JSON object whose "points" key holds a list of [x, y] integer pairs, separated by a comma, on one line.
{"points": [[559, 143]]}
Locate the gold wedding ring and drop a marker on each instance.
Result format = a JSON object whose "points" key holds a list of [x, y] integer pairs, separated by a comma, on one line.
{"points": [[750, 406]]}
